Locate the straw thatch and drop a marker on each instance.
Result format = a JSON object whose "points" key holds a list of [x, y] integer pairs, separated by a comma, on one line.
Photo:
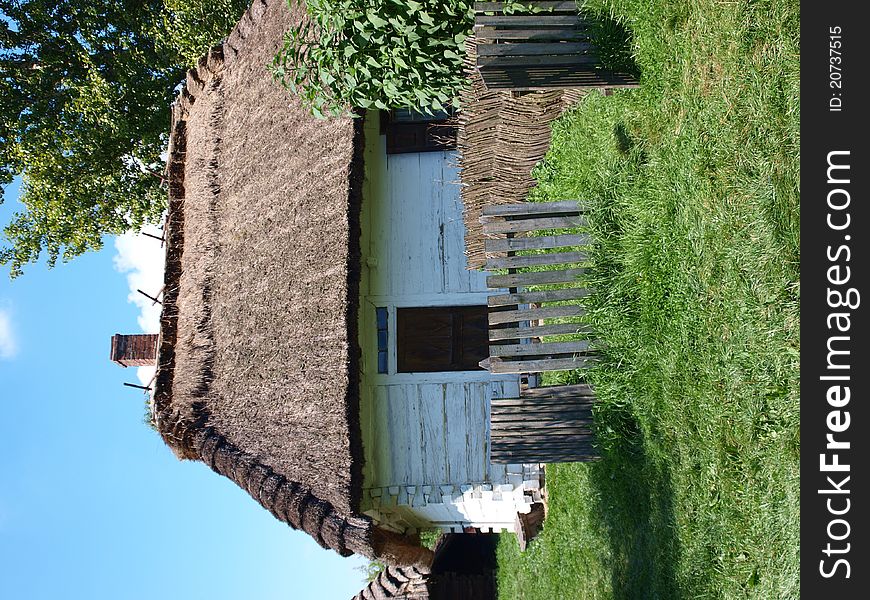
{"points": [[257, 373], [463, 569], [502, 136], [396, 583]]}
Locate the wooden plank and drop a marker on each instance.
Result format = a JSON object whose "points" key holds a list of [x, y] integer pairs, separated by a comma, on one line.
{"points": [[532, 49], [531, 208], [548, 413], [544, 427], [576, 442], [549, 447], [551, 391], [544, 61], [559, 428], [548, 417], [525, 225], [504, 406], [476, 424], [533, 314], [522, 405], [541, 242], [535, 278], [536, 260], [568, 34], [539, 296], [456, 432], [497, 365], [534, 21], [519, 333], [533, 78], [560, 6], [542, 445], [545, 349], [548, 460], [434, 442], [545, 455]]}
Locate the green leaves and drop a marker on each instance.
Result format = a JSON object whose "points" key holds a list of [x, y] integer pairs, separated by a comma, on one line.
{"points": [[376, 53], [85, 91]]}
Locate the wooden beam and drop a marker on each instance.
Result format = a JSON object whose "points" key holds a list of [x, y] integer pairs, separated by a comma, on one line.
{"points": [[542, 242], [536, 260], [534, 314], [137, 386], [535, 278], [521, 333]]}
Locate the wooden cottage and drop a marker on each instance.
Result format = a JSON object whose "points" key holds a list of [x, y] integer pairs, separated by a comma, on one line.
{"points": [[320, 334]]}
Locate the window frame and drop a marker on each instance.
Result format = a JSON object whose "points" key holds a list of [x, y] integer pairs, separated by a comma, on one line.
{"points": [[425, 134]]}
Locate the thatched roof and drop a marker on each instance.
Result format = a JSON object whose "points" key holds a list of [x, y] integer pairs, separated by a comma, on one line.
{"points": [[397, 583], [502, 136], [463, 569], [257, 372]]}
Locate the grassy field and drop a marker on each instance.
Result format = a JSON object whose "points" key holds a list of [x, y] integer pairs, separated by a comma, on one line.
{"points": [[692, 184]]}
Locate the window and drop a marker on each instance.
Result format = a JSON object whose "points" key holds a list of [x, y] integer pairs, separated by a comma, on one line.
{"points": [[448, 338], [414, 131], [381, 318]]}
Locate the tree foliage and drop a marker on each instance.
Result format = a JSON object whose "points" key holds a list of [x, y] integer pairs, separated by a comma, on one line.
{"points": [[191, 27], [85, 93], [377, 53]]}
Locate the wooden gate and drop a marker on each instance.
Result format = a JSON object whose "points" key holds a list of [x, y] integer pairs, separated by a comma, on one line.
{"points": [[547, 424], [518, 321], [543, 50]]}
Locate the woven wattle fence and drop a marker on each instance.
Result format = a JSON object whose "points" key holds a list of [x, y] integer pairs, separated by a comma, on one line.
{"points": [[502, 136]]}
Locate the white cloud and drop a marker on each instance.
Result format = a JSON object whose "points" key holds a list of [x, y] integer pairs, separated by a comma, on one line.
{"points": [[8, 345], [142, 259]]}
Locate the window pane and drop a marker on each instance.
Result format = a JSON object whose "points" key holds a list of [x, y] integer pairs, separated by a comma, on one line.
{"points": [[381, 314]]}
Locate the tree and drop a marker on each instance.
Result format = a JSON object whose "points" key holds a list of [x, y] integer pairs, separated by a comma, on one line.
{"points": [[85, 94], [85, 90]]}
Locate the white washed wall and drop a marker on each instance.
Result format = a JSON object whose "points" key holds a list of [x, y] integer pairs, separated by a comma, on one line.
{"points": [[426, 436]]}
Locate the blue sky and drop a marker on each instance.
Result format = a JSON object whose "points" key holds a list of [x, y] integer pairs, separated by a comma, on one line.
{"points": [[92, 504]]}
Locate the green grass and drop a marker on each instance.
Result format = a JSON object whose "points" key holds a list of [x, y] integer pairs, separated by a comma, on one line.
{"points": [[692, 184]]}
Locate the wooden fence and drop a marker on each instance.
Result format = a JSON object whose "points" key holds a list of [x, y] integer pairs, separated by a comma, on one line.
{"points": [[546, 424], [543, 50], [518, 319]]}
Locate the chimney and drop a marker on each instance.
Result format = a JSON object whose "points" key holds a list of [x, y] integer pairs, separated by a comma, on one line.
{"points": [[139, 350]]}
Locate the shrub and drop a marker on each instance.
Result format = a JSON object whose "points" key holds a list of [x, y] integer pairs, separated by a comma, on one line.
{"points": [[377, 53]]}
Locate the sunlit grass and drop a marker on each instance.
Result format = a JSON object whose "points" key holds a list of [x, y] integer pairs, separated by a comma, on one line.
{"points": [[691, 183]]}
